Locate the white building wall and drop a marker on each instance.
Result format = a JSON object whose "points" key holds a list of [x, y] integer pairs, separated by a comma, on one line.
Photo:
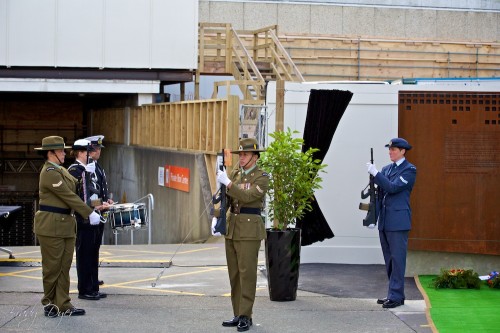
{"points": [[99, 33]]}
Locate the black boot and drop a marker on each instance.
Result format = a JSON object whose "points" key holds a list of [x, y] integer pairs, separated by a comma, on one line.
{"points": [[244, 324], [231, 322]]}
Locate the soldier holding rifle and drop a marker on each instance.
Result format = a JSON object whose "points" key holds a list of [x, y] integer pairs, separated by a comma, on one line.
{"points": [[395, 183], [246, 190]]}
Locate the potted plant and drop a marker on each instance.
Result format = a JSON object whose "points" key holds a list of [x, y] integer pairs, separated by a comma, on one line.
{"points": [[294, 175]]}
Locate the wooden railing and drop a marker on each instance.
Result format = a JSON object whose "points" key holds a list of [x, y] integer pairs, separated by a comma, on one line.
{"points": [[333, 57], [223, 50], [204, 126], [328, 57]]}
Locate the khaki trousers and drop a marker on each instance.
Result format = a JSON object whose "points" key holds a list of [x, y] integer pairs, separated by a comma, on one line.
{"points": [[242, 258], [57, 255]]}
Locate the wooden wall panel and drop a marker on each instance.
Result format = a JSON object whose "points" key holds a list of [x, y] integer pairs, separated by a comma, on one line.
{"points": [[26, 119], [456, 138], [192, 125], [110, 123]]}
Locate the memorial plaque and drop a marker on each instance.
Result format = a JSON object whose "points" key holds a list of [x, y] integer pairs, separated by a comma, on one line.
{"points": [[456, 140]]}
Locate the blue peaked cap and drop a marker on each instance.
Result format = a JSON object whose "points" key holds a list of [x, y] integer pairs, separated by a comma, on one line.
{"points": [[399, 143]]}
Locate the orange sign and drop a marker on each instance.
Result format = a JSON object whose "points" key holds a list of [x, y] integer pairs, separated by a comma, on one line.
{"points": [[177, 178]]}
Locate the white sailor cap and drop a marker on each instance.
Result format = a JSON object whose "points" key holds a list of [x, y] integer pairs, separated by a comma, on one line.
{"points": [[96, 140], [82, 144]]}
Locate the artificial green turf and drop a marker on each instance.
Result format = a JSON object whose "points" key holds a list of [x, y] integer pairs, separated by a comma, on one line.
{"points": [[463, 310]]}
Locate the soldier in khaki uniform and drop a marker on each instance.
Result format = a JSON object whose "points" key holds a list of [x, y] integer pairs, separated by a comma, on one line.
{"points": [[55, 227], [246, 189]]}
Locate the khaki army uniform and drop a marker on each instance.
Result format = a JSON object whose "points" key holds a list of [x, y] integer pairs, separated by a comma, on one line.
{"points": [[55, 227], [245, 231]]}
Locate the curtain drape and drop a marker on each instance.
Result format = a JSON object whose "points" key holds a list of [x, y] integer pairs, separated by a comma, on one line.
{"points": [[324, 111]]}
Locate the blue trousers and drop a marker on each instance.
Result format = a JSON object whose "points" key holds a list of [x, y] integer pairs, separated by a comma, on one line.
{"points": [[394, 248]]}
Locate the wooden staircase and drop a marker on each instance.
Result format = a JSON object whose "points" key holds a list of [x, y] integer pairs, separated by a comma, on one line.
{"points": [[251, 57]]}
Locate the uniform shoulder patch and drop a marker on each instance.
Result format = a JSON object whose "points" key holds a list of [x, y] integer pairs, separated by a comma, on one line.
{"points": [[50, 168], [58, 184]]}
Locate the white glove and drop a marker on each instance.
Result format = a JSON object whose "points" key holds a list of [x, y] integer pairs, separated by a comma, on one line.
{"points": [[372, 169], [94, 218], [223, 178], [371, 226], [214, 222], [90, 167]]}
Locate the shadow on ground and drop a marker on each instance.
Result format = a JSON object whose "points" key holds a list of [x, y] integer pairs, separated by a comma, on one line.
{"points": [[351, 281]]}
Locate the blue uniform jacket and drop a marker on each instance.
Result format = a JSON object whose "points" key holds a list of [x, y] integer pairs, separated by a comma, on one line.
{"points": [[393, 202]]}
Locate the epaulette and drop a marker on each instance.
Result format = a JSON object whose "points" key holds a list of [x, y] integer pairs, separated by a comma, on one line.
{"points": [[50, 168], [75, 166]]}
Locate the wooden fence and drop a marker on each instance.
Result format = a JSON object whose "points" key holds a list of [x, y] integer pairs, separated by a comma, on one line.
{"points": [[205, 126], [332, 57]]}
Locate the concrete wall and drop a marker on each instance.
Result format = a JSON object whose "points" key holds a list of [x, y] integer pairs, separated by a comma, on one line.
{"points": [[358, 20], [447, 4], [133, 171], [425, 262]]}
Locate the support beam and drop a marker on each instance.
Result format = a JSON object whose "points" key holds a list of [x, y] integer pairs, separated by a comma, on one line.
{"points": [[280, 105]]}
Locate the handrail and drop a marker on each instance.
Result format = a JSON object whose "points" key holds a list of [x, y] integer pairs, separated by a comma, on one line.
{"points": [[286, 56], [245, 51], [240, 60]]}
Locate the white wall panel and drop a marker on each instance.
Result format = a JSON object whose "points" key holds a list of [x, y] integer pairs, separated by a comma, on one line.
{"points": [[369, 121], [31, 32], [127, 42], [99, 33], [168, 41], [80, 33], [3, 31]]}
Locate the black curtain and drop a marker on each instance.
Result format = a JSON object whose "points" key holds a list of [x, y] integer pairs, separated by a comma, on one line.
{"points": [[324, 111]]}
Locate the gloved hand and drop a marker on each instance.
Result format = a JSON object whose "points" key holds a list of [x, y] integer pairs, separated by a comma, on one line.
{"points": [[371, 226], [214, 222], [223, 178], [90, 167], [372, 169], [94, 218]]}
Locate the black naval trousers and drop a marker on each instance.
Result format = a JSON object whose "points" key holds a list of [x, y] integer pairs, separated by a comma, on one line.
{"points": [[87, 258]]}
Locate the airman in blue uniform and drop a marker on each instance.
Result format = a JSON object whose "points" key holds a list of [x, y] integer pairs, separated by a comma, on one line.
{"points": [[395, 183]]}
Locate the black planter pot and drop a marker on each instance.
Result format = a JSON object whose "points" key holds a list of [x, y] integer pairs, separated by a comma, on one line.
{"points": [[282, 263]]}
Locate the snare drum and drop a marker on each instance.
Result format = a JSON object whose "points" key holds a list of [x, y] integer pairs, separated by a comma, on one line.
{"points": [[128, 215]]}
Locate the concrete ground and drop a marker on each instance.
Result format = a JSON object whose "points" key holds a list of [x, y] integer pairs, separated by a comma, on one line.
{"points": [[192, 295]]}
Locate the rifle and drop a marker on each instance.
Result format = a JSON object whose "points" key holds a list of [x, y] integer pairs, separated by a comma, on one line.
{"points": [[220, 213], [370, 191]]}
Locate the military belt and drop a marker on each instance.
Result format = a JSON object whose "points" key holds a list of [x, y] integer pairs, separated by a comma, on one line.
{"points": [[58, 210], [247, 210]]}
